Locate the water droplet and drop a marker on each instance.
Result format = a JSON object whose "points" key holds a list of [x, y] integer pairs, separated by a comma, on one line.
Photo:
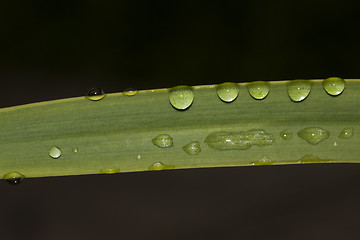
{"points": [[160, 166], [335, 144], [313, 135], [334, 86], [181, 97], [138, 156], [75, 149], [55, 152], [346, 133], [95, 94], [228, 91], [298, 90], [192, 148], [130, 92], [110, 170], [163, 141], [286, 134], [14, 177], [258, 90], [239, 140], [263, 161]]}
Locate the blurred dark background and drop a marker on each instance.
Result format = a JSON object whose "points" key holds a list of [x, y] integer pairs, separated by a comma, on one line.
{"points": [[58, 49]]}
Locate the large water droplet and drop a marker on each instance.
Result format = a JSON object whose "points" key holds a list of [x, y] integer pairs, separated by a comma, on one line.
{"points": [[55, 152], [313, 135], [95, 94], [227, 92], [347, 133], [110, 170], [286, 134], [192, 148], [163, 141], [130, 92], [160, 166], [298, 90], [181, 97], [334, 86], [14, 177], [258, 90]]}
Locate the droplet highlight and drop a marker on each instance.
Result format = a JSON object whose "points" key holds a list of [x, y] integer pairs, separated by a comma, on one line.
{"points": [[14, 178], [130, 92], [239, 140], [298, 90], [163, 141], [313, 135], [346, 133], [95, 94], [286, 134], [138, 156], [181, 97], [192, 148], [259, 89], [228, 91], [334, 86], [160, 166], [55, 152], [110, 170]]}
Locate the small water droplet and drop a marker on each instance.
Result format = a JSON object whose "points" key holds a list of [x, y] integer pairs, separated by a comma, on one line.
{"points": [[181, 97], [14, 178], [334, 86], [138, 156], [298, 90], [346, 133], [110, 170], [286, 134], [192, 148], [163, 141], [55, 152], [160, 166], [313, 135], [335, 144], [258, 90], [228, 91], [95, 94], [130, 92], [75, 149]]}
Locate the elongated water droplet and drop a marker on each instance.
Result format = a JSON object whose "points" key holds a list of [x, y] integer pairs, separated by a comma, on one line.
{"points": [[239, 140], [298, 90], [95, 94], [263, 161], [192, 148], [347, 133], [286, 134], [228, 91], [130, 92], [55, 152], [110, 170], [14, 177], [163, 141], [313, 135], [138, 156], [334, 86], [258, 90], [160, 166], [181, 97], [75, 149]]}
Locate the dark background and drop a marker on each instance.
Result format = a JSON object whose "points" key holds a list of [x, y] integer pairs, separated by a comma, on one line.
{"points": [[58, 49]]}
